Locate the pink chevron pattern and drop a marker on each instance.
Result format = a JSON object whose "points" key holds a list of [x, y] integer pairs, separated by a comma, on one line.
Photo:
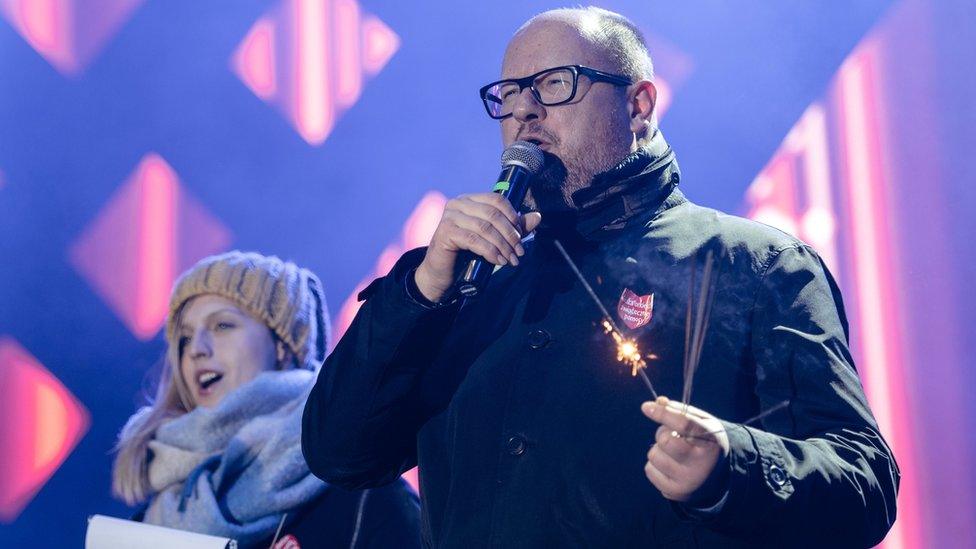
{"points": [[310, 59], [829, 173], [148, 233], [40, 424], [417, 231], [69, 34], [794, 191]]}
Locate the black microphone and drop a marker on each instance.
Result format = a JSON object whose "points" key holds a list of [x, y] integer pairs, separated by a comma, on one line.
{"points": [[520, 162]]}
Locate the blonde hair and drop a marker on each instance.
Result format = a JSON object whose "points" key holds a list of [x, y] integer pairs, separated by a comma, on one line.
{"points": [[130, 471], [285, 298]]}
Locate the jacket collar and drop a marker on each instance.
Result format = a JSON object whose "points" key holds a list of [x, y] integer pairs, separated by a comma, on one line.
{"points": [[629, 194]]}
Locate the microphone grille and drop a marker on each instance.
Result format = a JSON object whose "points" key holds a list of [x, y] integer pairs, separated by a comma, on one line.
{"points": [[525, 154]]}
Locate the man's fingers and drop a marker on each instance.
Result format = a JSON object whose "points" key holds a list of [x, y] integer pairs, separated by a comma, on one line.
{"points": [[463, 239], [676, 445], [530, 221], [686, 409], [664, 479], [670, 417], [666, 463], [496, 201], [485, 218], [489, 232], [647, 408], [666, 484]]}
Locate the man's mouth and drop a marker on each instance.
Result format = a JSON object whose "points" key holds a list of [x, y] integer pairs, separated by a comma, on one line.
{"points": [[535, 140], [206, 379]]}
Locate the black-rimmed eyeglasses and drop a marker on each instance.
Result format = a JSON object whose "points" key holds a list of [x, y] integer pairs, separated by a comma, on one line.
{"points": [[550, 87]]}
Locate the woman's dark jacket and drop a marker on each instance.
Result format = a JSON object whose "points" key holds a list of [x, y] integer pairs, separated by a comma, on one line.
{"points": [[377, 518]]}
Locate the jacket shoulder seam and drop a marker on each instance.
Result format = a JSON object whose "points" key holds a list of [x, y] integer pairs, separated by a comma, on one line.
{"points": [[769, 263]]}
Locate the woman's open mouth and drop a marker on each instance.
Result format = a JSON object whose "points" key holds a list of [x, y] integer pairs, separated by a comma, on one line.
{"points": [[206, 379]]}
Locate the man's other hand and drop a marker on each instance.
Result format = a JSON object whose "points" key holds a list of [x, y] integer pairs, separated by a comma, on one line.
{"points": [[688, 446], [485, 224]]}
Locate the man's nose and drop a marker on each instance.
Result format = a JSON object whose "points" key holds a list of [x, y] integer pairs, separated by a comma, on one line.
{"points": [[527, 108]]}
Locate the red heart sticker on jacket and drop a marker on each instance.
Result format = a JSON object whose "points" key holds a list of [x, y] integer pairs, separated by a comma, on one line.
{"points": [[635, 310]]}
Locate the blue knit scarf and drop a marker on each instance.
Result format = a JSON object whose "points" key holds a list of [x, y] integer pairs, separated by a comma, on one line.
{"points": [[235, 469]]}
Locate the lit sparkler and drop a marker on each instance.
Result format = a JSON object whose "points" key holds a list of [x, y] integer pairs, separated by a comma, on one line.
{"points": [[627, 350], [629, 353]]}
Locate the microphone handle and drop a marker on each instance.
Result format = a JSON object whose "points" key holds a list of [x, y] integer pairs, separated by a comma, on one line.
{"points": [[512, 183]]}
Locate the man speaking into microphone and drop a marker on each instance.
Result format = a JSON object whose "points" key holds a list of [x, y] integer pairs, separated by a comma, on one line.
{"points": [[526, 429]]}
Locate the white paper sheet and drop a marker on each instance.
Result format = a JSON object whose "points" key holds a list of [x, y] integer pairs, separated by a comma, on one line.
{"points": [[112, 533]]}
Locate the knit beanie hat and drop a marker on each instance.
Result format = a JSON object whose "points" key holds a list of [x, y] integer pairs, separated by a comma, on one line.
{"points": [[286, 297]]}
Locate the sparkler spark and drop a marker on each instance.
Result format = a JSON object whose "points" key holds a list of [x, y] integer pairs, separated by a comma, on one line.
{"points": [[627, 351]]}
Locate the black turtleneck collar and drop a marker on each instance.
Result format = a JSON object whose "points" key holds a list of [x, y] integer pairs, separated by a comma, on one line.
{"points": [[621, 197]]}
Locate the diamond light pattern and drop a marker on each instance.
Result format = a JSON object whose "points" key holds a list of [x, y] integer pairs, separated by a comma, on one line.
{"points": [[417, 231], [40, 423], [68, 33], [310, 58], [796, 192], [147, 234]]}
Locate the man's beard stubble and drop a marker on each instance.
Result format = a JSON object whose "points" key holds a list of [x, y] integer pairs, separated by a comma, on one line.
{"points": [[546, 192], [561, 176]]}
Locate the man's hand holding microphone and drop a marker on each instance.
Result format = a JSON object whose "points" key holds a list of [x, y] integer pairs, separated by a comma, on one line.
{"points": [[482, 230]]}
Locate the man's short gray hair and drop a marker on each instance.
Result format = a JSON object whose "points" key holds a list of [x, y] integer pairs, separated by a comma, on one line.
{"points": [[614, 33]]}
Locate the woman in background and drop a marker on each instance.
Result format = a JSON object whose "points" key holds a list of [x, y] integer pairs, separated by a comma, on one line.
{"points": [[219, 450]]}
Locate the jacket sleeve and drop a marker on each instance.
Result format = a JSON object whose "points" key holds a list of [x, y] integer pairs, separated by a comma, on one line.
{"points": [[818, 473], [391, 518], [361, 419]]}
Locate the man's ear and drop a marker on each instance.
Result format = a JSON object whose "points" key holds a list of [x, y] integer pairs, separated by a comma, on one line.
{"points": [[642, 102]]}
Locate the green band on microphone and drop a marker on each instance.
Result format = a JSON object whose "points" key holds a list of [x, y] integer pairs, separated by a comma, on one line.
{"points": [[500, 187]]}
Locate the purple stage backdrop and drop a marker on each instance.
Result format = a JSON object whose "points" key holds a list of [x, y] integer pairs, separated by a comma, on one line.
{"points": [[138, 136]]}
